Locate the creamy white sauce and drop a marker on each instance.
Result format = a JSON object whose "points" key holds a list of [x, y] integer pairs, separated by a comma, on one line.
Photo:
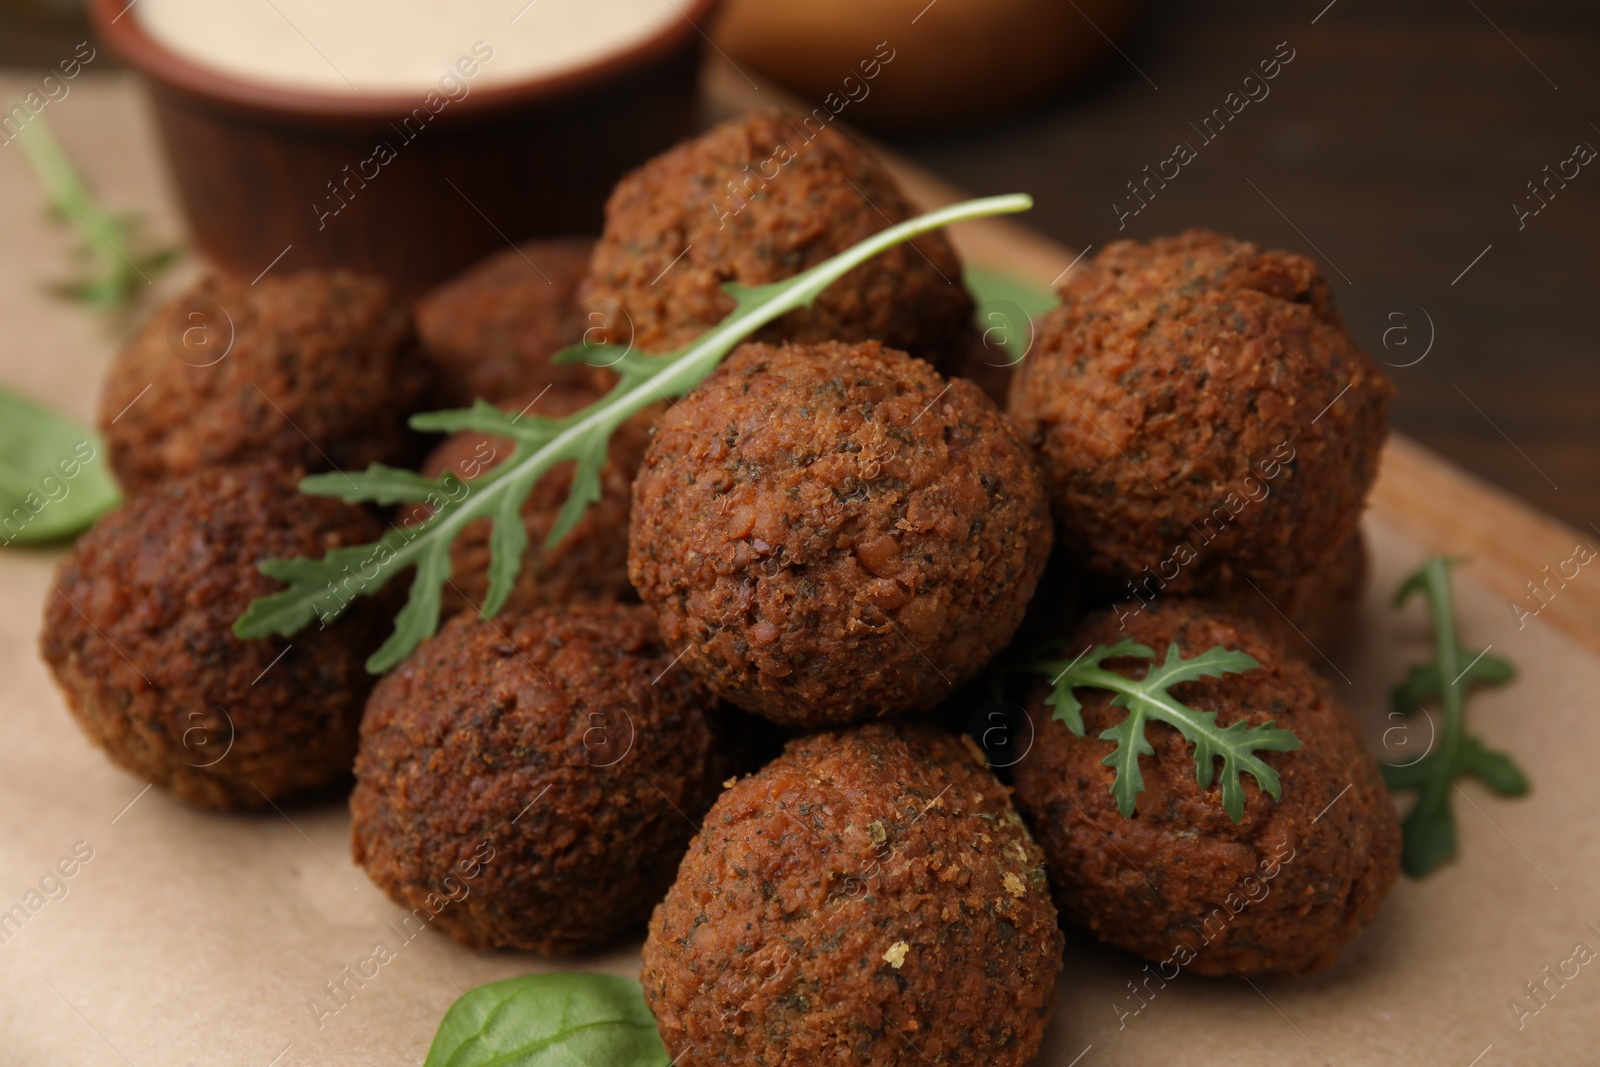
{"points": [[388, 46]]}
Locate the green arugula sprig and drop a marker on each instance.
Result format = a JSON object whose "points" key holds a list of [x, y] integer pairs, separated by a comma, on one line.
{"points": [[1149, 698], [323, 588], [1430, 826], [118, 260], [550, 1020]]}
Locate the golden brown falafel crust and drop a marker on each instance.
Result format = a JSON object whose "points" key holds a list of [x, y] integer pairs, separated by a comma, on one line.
{"points": [[675, 232], [138, 631], [834, 532], [1200, 391], [591, 562], [562, 739], [870, 897], [492, 330], [1179, 872], [1315, 616], [320, 371]]}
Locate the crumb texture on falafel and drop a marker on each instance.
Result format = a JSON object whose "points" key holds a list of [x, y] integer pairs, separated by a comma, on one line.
{"points": [[138, 630], [835, 532], [758, 199], [869, 897], [1201, 414], [318, 369], [492, 329], [560, 739]]}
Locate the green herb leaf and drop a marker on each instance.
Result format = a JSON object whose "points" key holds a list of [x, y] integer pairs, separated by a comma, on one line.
{"points": [[1005, 307], [1430, 826], [323, 588], [118, 261], [550, 1020], [1148, 698], [1422, 681], [1429, 836], [54, 481], [1494, 769]]}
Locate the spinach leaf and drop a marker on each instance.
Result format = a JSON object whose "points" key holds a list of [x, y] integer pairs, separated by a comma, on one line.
{"points": [[550, 1020], [54, 480]]}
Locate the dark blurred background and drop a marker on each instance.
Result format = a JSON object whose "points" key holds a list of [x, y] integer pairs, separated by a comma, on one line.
{"points": [[1393, 147]]}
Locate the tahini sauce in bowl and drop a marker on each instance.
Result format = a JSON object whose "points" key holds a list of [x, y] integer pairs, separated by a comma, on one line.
{"points": [[397, 46]]}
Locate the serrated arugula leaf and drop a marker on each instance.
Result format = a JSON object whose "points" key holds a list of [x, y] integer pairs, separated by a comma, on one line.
{"points": [[322, 589], [1422, 681], [508, 540], [1494, 769], [1430, 826], [116, 260], [1429, 831], [378, 484], [550, 1020], [1149, 698]]}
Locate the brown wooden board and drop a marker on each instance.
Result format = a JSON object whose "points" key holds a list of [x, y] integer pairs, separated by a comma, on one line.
{"points": [[191, 938]]}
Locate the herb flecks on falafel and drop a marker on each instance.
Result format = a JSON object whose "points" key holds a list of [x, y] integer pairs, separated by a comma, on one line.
{"points": [[835, 532], [871, 891]]}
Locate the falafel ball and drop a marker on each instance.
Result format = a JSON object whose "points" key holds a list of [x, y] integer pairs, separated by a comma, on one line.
{"points": [[758, 199], [492, 330], [138, 631], [1278, 893], [317, 369], [558, 748], [834, 532], [1197, 405], [1314, 616], [591, 562], [871, 896]]}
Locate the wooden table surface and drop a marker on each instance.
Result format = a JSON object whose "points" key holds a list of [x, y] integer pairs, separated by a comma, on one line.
{"points": [[1392, 147]]}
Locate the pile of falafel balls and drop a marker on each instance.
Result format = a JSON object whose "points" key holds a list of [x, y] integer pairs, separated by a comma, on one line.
{"points": [[730, 703]]}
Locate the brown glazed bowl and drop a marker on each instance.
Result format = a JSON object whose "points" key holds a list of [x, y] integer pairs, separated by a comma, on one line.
{"points": [[294, 179]]}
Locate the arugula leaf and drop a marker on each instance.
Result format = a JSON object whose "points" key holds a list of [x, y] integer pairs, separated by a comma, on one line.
{"points": [[322, 589], [1148, 698], [550, 1020], [1005, 307], [54, 480], [118, 260], [1430, 825]]}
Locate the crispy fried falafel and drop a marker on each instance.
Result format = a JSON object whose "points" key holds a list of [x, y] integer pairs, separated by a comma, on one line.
{"points": [[1314, 616], [758, 199], [317, 369], [869, 897], [591, 562], [138, 631], [1198, 407], [1278, 893], [834, 532], [492, 330], [563, 740]]}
